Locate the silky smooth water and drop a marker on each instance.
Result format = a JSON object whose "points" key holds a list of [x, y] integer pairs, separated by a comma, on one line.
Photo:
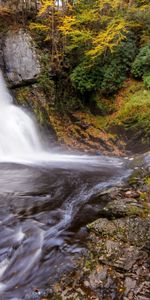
{"points": [[18, 133], [45, 201]]}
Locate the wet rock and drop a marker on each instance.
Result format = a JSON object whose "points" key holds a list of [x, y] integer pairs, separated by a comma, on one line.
{"points": [[132, 194], [116, 265], [122, 207], [134, 230], [102, 226], [119, 256], [20, 57], [98, 276], [129, 285]]}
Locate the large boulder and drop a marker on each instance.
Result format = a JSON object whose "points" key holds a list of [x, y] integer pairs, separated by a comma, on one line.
{"points": [[20, 57], [20, 5]]}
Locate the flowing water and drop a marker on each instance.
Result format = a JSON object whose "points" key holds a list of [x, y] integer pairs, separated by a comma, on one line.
{"points": [[45, 201]]}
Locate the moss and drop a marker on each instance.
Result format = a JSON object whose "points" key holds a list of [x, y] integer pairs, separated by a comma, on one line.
{"points": [[147, 181], [88, 264], [135, 211], [33, 98], [134, 109]]}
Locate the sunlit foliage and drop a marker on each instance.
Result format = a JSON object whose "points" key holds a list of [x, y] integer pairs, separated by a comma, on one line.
{"points": [[94, 32]]}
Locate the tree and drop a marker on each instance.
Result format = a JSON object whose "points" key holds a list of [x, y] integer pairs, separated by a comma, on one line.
{"points": [[94, 35], [49, 17], [101, 26]]}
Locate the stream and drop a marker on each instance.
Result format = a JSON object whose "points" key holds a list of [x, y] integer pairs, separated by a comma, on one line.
{"points": [[46, 199], [43, 210]]}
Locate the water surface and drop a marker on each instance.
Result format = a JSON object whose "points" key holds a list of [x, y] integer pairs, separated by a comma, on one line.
{"points": [[43, 205]]}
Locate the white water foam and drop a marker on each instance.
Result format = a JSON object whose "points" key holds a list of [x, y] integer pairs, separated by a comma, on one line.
{"points": [[20, 235], [18, 132], [3, 266]]}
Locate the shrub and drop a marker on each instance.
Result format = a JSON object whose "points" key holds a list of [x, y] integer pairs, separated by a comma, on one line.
{"points": [[141, 64], [118, 65], [85, 78], [114, 75], [146, 79], [108, 72]]}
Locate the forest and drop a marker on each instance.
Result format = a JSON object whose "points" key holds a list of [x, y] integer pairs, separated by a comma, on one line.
{"points": [[74, 149], [98, 49]]}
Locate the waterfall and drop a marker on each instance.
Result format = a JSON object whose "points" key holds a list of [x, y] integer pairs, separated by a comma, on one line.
{"points": [[20, 142], [18, 132]]}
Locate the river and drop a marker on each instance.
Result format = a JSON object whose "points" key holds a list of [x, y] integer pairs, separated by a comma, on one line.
{"points": [[46, 199]]}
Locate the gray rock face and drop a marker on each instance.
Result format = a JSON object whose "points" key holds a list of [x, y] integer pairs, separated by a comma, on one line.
{"points": [[1, 53], [19, 5], [20, 58]]}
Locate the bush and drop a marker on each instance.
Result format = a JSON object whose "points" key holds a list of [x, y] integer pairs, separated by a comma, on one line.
{"points": [[141, 64], [108, 72], [118, 65], [114, 75], [85, 78], [146, 79]]}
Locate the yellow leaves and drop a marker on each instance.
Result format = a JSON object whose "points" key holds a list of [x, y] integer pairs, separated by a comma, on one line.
{"points": [[134, 9], [113, 4], [100, 25], [68, 23], [108, 38], [145, 7], [45, 5], [87, 16], [92, 26], [38, 26], [81, 35]]}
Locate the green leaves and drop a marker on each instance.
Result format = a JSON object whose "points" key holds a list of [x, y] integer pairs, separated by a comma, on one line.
{"points": [[141, 65], [108, 71]]}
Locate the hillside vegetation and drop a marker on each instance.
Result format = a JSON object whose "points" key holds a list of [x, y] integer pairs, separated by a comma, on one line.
{"points": [[89, 52], [95, 58]]}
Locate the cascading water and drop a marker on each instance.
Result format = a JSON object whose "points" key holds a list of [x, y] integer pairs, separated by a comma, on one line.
{"points": [[20, 142], [18, 133], [44, 196]]}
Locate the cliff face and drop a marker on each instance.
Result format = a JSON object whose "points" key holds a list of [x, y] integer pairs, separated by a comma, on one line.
{"points": [[20, 57], [20, 5]]}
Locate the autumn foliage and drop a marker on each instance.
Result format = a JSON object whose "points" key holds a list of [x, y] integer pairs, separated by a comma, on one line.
{"points": [[99, 39]]}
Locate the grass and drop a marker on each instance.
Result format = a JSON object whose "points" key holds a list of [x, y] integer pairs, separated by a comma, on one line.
{"points": [[136, 111], [134, 108]]}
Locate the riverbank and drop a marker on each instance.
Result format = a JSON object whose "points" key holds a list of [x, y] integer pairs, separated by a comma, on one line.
{"points": [[123, 128], [116, 263]]}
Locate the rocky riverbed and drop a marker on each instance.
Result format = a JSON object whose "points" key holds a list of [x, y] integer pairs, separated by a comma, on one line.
{"points": [[117, 260]]}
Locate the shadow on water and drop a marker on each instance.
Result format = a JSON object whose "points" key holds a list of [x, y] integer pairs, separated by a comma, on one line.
{"points": [[42, 210], [45, 201]]}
